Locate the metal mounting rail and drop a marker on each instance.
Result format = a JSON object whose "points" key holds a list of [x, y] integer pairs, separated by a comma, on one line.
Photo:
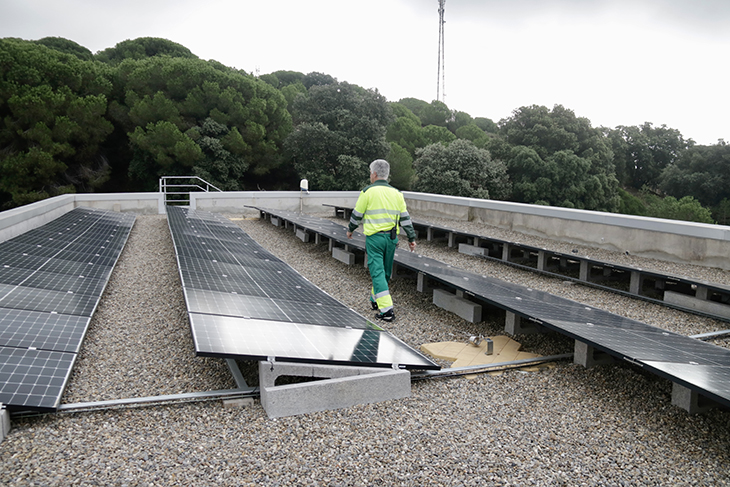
{"points": [[155, 400], [485, 368]]}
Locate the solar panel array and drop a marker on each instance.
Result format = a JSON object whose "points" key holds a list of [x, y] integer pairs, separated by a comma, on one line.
{"points": [[51, 281], [243, 302], [692, 363]]}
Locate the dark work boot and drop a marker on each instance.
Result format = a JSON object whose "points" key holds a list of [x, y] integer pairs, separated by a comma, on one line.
{"points": [[387, 316]]}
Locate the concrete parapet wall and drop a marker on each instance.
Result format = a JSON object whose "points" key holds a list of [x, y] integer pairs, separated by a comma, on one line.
{"points": [[24, 218], [237, 201], [140, 203], [678, 241]]}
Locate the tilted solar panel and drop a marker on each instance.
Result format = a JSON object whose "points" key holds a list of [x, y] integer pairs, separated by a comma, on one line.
{"points": [[692, 363], [51, 280], [244, 302]]}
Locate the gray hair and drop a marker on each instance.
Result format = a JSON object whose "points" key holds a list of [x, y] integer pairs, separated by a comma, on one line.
{"points": [[381, 168]]}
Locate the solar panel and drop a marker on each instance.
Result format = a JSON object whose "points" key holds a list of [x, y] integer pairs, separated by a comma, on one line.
{"points": [[714, 380], [53, 265], [51, 280], [34, 299], [33, 379], [693, 363], [65, 283], [42, 331], [224, 336], [244, 302], [249, 306], [240, 268]]}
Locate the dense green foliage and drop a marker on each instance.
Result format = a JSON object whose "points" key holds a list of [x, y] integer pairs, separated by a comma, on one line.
{"points": [[339, 129], [556, 158], [192, 117], [143, 48], [67, 46], [721, 212], [132, 113], [52, 107], [686, 208], [401, 167], [460, 169], [118, 119], [702, 172], [640, 154]]}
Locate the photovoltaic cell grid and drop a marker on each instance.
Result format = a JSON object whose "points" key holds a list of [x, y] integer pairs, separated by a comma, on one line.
{"points": [[51, 280], [244, 302], [692, 363]]}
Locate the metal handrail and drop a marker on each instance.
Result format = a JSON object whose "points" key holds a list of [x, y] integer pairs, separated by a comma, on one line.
{"points": [[163, 184]]}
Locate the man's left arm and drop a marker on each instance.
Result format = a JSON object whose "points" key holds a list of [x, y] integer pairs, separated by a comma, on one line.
{"points": [[407, 225], [357, 214]]}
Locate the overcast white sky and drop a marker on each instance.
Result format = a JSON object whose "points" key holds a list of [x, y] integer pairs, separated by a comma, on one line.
{"points": [[614, 62]]}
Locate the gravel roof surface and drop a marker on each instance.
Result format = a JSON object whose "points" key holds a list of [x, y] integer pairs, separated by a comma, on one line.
{"points": [[565, 425]]}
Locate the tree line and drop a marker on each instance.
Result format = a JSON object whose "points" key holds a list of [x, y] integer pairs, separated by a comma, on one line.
{"points": [[117, 120]]}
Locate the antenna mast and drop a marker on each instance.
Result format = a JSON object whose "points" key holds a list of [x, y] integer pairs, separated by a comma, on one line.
{"points": [[441, 76]]}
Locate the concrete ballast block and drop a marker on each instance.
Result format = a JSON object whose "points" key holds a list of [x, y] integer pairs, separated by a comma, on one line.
{"points": [[585, 271], [692, 302], [4, 422], [303, 235], [465, 309], [690, 400], [471, 249], [342, 387], [636, 283], [422, 284], [343, 255]]}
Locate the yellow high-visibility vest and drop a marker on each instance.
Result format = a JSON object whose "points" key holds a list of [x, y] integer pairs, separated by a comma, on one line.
{"points": [[380, 207]]}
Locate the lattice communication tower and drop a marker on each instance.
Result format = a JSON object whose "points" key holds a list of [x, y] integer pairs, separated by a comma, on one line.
{"points": [[441, 77]]}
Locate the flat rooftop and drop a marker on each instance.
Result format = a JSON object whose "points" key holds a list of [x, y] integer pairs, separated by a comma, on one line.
{"points": [[564, 425]]}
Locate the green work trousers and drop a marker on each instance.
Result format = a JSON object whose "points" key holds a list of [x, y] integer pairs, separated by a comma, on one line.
{"points": [[381, 250]]}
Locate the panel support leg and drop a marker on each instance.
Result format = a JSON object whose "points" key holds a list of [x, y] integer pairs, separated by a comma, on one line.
{"points": [[541, 260], [4, 422], [637, 281], [690, 400], [422, 284], [588, 356], [515, 325], [585, 271]]}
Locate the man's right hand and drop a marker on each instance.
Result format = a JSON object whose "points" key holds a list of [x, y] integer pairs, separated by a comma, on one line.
{"points": [[349, 235]]}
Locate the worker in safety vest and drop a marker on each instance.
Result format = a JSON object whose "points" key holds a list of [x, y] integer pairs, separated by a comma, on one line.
{"points": [[381, 209]]}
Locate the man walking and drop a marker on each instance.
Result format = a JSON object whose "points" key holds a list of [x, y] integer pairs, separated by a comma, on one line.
{"points": [[382, 209]]}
